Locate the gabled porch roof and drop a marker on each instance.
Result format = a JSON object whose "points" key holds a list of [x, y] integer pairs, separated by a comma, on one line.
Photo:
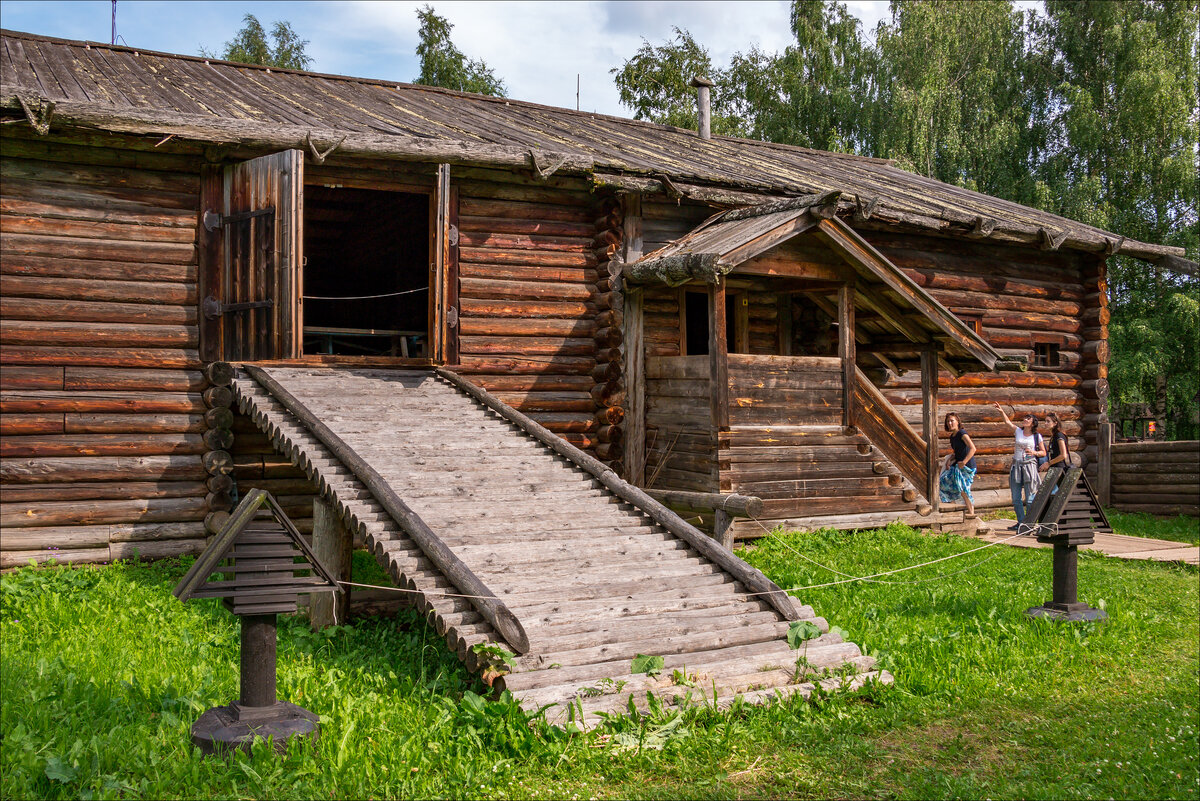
{"points": [[905, 318]]}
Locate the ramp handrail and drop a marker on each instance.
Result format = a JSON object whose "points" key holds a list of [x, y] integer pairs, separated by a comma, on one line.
{"points": [[750, 577], [493, 610], [875, 416]]}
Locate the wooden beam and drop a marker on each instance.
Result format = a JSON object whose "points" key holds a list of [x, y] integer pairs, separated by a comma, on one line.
{"points": [[333, 544], [718, 354], [805, 221], [895, 317], [929, 415], [846, 351], [861, 255], [634, 349]]}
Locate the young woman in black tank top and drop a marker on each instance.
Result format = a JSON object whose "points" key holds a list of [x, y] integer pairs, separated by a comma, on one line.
{"points": [[958, 471]]}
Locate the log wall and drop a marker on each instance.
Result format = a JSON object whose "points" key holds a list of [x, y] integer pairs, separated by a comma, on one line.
{"points": [[113, 434], [530, 325], [104, 409], [681, 443], [1023, 297], [1159, 478]]}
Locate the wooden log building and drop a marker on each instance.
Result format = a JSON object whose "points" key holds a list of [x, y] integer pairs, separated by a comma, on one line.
{"points": [[699, 313]]}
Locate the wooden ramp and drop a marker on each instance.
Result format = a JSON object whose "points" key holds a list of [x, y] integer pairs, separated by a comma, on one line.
{"points": [[593, 580]]}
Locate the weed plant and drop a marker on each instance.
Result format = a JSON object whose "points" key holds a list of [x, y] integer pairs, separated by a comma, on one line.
{"points": [[102, 671]]}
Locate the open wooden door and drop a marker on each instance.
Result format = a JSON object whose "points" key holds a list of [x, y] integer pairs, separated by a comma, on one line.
{"points": [[252, 251]]}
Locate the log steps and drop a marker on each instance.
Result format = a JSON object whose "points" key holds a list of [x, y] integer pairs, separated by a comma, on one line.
{"points": [[593, 581]]}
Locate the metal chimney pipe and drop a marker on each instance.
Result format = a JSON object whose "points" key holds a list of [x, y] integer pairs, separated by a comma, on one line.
{"points": [[703, 106]]}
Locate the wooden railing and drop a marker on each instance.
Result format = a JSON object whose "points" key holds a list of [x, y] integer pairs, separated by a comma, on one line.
{"points": [[890, 432]]}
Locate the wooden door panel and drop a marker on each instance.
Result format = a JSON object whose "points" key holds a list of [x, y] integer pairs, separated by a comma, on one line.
{"points": [[252, 304]]}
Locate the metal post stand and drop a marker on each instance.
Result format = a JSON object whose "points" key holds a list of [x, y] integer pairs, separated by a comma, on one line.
{"points": [[1065, 604]]}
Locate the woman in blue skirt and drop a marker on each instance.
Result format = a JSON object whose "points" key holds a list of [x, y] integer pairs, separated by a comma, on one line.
{"points": [[958, 471]]}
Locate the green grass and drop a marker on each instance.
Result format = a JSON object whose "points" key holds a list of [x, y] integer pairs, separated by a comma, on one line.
{"points": [[102, 671], [1183, 528]]}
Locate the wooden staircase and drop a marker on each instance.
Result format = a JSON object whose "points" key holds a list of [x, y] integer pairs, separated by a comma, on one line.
{"points": [[593, 580]]}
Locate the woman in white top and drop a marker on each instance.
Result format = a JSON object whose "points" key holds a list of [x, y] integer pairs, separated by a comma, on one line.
{"points": [[1023, 478]]}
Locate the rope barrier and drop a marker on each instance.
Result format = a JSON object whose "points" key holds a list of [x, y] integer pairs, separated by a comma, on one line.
{"points": [[874, 578], [1021, 532], [367, 297]]}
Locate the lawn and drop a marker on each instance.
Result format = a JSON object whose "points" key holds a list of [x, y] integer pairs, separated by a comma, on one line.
{"points": [[102, 671]]}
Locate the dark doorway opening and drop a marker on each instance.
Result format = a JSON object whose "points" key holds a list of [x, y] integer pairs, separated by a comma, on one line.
{"points": [[366, 272]]}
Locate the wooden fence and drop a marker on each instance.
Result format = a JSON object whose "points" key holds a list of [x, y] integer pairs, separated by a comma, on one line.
{"points": [[1161, 478]]}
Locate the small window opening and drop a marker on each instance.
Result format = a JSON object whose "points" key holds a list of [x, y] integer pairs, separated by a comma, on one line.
{"points": [[814, 333], [366, 272], [1045, 354], [695, 310]]}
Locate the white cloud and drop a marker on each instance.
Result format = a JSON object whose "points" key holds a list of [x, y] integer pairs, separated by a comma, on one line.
{"points": [[537, 48]]}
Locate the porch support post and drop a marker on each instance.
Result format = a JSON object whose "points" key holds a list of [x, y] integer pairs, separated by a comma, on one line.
{"points": [[929, 415], [718, 354], [846, 350], [634, 349]]}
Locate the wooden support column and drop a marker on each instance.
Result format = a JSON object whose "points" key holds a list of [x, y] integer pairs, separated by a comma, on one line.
{"points": [[333, 546], [635, 351], [1104, 438], [718, 355], [929, 415], [846, 350]]}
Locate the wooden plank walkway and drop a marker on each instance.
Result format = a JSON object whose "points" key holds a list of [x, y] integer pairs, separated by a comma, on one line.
{"points": [[593, 581], [1121, 546]]}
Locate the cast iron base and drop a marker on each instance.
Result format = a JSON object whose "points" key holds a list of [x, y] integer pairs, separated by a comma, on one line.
{"points": [[1066, 613], [224, 728]]}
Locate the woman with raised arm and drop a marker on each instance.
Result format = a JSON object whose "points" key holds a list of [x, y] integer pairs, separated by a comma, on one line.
{"points": [[958, 471], [1023, 478]]}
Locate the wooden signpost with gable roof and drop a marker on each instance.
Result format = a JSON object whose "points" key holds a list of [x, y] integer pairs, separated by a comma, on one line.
{"points": [[1066, 514], [258, 568]]}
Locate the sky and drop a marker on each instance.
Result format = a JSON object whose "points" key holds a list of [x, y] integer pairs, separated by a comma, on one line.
{"points": [[537, 48]]}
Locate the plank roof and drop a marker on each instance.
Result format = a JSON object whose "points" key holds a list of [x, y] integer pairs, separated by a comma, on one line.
{"points": [[138, 91]]}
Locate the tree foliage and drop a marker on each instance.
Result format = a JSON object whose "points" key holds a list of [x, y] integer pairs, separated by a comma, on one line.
{"points": [[444, 65], [250, 46], [1087, 109]]}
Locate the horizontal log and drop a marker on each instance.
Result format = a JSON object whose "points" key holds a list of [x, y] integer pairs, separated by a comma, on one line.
{"points": [[1182, 446], [103, 490], [130, 250], [518, 347], [99, 402], [522, 308], [150, 551], [30, 332], [526, 365], [100, 378], [100, 445], [19, 308], [99, 357], [488, 288], [15, 424], [183, 275], [218, 439], [59, 513], [217, 397], [524, 327], [732, 504], [64, 556], [581, 276], [101, 468], [526, 226]]}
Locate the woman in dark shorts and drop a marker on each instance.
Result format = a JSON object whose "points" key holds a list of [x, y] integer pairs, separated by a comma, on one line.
{"points": [[958, 471]]}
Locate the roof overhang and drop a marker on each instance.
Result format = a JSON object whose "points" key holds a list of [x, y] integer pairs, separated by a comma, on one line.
{"points": [[722, 244]]}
